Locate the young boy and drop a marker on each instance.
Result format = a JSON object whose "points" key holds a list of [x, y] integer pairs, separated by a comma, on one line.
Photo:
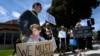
{"points": [[35, 34]]}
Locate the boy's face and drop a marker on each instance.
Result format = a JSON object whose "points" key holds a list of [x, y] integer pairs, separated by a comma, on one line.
{"points": [[36, 32]]}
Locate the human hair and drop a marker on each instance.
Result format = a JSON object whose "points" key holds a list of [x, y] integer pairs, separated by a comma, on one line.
{"points": [[62, 27], [38, 4], [47, 24], [78, 24], [35, 26]]}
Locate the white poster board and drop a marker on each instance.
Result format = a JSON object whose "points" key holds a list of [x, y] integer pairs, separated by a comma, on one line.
{"points": [[62, 34], [35, 49], [51, 19]]}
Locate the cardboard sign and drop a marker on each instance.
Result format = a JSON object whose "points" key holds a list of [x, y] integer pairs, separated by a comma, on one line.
{"points": [[84, 31], [35, 49]]}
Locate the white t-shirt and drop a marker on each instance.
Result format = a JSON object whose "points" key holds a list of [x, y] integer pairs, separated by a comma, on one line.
{"points": [[71, 33], [62, 34]]}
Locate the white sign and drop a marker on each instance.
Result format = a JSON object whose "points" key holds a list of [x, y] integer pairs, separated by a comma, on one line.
{"points": [[51, 19], [62, 34]]}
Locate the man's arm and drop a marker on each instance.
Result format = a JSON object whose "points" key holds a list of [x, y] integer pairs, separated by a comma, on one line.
{"points": [[23, 22]]}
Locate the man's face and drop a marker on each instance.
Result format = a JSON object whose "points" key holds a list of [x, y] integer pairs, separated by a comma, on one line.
{"points": [[36, 32], [37, 8], [62, 28]]}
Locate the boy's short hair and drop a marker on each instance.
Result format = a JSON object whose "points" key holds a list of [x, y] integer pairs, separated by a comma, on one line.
{"points": [[35, 26], [38, 4]]}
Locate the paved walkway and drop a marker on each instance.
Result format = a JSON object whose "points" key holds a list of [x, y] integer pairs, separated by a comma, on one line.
{"points": [[95, 52]]}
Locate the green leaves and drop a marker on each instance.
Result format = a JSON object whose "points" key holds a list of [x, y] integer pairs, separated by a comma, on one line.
{"points": [[68, 12]]}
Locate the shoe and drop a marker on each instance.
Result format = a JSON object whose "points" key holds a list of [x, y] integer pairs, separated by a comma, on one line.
{"points": [[79, 54], [61, 54], [73, 52], [64, 53]]}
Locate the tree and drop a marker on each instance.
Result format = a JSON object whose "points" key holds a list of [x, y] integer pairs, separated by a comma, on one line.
{"points": [[95, 34], [98, 36], [69, 12]]}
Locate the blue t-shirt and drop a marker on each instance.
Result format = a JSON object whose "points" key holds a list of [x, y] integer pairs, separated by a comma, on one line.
{"points": [[30, 40]]}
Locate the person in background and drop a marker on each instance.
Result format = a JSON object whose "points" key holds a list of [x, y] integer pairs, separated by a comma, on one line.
{"points": [[68, 37], [62, 37], [35, 34], [72, 37], [47, 33], [16, 42], [81, 40], [89, 43]]}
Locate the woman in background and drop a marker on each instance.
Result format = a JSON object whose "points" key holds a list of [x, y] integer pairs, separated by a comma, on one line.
{"points": [[80, 40]]}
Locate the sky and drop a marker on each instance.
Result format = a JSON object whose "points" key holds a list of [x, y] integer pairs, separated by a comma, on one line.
{"points": [[12, 9], [96, 16]]}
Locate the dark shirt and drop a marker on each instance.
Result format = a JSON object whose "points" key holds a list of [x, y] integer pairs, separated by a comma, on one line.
{"points": [[26, 19]]}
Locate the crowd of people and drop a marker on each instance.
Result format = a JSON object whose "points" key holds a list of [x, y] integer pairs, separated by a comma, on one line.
{"points": [[32, 32], [67, 39]]}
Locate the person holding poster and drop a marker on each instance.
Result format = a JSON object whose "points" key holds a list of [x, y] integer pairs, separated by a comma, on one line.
{"points": [[35, 34], [62, 37], [47, 33], [80, 40]]}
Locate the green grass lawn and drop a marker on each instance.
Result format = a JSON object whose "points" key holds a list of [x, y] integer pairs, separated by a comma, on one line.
{"points": [[6, 52]]}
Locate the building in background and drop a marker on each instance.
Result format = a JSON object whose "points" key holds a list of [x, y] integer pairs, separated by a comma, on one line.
{"points": [[9, 32]]}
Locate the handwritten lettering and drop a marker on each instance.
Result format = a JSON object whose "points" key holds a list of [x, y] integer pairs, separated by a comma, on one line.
{"points": [[24, 52]]}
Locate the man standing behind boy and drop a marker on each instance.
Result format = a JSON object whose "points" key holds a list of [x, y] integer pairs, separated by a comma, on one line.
{"points": [[29, 17]]}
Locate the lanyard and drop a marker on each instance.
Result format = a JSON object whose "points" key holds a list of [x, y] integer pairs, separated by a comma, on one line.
{"points": [[34, 14]]}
